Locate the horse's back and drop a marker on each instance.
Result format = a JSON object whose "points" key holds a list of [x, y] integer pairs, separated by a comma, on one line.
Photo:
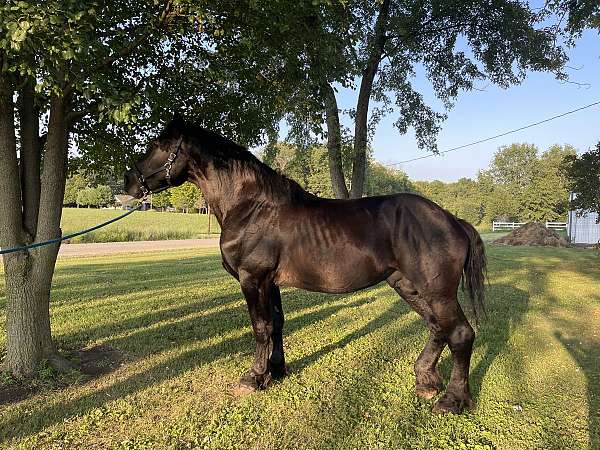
{"points": [[344, 245]]}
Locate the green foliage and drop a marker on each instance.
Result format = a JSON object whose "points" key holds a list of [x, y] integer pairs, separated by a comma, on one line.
{"points": [[383, 180], [504, 40], [73, 187], [105, 195], [162, 199], [88, 197], [309, 167], [184, 197], [530, 187], [519, 185], [581, 14], [583, 175], [96, 196]]}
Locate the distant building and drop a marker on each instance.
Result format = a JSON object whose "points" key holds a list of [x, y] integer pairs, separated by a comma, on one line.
{"points": [[127, 202], [583, 228]]}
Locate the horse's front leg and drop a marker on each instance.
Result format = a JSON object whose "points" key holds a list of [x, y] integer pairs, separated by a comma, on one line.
{"points": [[277, 365], [258, 299]]}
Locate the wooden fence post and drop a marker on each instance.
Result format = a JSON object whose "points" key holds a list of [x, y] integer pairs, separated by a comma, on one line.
{"points": [[209, 220]]}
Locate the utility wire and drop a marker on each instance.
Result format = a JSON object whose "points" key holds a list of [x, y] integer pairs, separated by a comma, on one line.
{"points": [[453, 149]]}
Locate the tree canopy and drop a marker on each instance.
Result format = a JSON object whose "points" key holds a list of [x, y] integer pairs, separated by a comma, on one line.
{"points": [[520, 185], [382, 45], [583, 174]]}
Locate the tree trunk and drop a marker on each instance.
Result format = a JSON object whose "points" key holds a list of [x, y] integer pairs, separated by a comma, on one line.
{"points": [[334, 144], [29, 274], [28, 338], [359, 164], [30, 158]]}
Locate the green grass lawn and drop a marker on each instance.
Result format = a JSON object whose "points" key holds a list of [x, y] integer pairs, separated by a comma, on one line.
{"points": [[139, 226], [182, 324]]}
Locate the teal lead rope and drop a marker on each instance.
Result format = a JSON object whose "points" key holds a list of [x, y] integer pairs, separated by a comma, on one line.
{"points": [[68, 236]]}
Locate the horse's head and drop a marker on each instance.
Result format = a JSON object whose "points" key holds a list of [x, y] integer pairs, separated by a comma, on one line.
{"points": [[164, 164]]}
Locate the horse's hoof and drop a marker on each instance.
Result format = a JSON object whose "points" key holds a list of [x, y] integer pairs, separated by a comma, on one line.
{"points": [[242, 391], [427, 392], [247, 385], [428, 383], [266, 381], [452, 403], [279, 372]]}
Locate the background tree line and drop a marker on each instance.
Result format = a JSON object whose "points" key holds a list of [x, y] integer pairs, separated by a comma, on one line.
{"points": [[92, 189], [521, 183]]}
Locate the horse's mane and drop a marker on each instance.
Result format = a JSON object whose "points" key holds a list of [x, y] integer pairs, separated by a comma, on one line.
{"points": [[238, 162]]}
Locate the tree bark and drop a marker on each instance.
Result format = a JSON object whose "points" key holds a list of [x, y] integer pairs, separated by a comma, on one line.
{"points": [[29, 274], [27, 325], [30, 158], [334, 144], [359, 164], [11, 231]]}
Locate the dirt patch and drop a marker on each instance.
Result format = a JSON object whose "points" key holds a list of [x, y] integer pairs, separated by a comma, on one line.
{"points": [[98, 359], [534, 234], [92, 362], [14, 393]]}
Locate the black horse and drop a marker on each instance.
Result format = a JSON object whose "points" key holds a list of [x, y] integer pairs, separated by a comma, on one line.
{"points": [[276, 234]]}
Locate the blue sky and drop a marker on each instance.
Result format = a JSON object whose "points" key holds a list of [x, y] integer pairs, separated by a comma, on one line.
{"points": [[480, 114]]}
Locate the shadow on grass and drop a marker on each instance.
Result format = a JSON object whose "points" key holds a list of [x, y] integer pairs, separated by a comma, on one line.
{"points": [[506, 307], [396, 311], [586, 352], [195, 322], [181, 334], [579, 342]]}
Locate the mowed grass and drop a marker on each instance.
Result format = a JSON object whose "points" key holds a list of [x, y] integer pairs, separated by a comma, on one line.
{"points": [[138, 226], [183, 325]]}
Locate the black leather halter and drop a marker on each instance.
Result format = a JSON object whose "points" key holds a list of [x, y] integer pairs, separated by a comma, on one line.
{"points": [[166, 167]]}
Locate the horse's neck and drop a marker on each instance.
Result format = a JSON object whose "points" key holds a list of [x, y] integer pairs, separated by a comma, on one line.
{"points": [[223, 193]]}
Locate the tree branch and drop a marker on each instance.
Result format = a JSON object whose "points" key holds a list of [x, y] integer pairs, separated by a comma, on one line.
{"points": [[54, 170], [362, 106], [129, 49], [424, 32], [334, 143]]}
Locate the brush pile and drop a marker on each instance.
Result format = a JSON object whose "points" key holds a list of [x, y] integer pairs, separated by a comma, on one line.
{"points": [[534, 234]]}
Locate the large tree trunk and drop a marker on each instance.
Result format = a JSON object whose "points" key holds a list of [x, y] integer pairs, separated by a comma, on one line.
{"points": [[29, 274], [359, 165], [27, 322], [334, 144], [28, 338]]}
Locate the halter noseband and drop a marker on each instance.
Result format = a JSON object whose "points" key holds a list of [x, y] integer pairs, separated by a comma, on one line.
{"points": [[166, 167]]}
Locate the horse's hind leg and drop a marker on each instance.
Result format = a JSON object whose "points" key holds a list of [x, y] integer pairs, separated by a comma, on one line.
{"points": [[428, 380], [460, 337], [447, 325]]}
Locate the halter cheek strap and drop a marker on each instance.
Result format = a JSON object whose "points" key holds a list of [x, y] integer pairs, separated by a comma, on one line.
{"points": [[166, 167]]}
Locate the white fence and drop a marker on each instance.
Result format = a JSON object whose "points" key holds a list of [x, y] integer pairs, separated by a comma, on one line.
{"points": [[497, 226]]}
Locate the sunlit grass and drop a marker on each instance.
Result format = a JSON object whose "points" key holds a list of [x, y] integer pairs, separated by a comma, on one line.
{"points": [[183, 325], [139, 226]]}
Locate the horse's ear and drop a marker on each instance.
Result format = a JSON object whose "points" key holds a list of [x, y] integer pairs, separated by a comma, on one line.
{"points": [[175, 127], [178, 118]]}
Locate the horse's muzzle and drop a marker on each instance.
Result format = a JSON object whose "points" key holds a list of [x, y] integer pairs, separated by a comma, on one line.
{"points": [[132, 187]]}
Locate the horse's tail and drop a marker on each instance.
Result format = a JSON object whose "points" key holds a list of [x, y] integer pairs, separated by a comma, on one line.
{"points": [[475, 270]]}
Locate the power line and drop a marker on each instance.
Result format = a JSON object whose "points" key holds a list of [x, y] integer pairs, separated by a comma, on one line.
{"points": [[498, 135]]}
